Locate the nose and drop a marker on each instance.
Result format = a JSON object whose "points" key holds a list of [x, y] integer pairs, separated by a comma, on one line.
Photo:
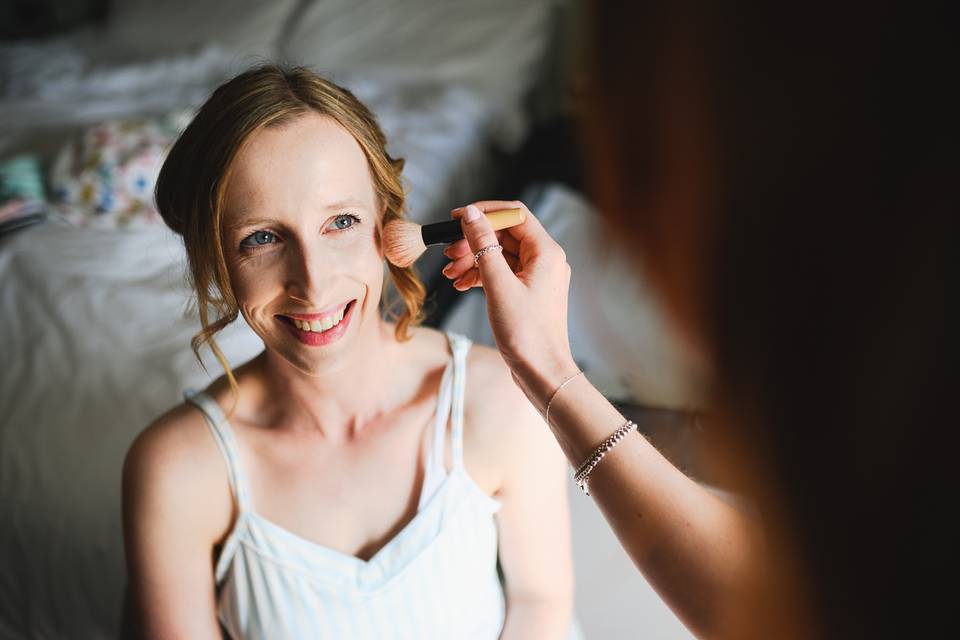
{"points": [[307, 274]]}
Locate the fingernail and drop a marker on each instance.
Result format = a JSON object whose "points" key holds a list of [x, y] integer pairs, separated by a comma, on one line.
{"points": [[446, 270], [471, 214]]}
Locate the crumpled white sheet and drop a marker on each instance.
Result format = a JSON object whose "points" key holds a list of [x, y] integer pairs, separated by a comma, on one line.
{"points": [[48, 91], [94, 345]]}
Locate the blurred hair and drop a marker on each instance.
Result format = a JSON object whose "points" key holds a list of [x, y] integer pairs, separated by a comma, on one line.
{"points": [[787, 176], [192, 183]]}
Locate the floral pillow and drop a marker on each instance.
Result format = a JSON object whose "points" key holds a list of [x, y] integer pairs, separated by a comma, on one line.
{"points": [[105, 177]]}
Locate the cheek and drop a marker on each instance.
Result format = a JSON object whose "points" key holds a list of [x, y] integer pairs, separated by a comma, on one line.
{"points": [[249, 282], [254, 288], [360, 259]]}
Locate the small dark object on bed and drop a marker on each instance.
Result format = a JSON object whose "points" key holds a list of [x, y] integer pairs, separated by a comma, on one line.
{"points": [[21, 222]]}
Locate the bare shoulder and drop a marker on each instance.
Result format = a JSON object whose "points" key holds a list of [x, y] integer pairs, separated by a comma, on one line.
{"points": [[176, 510], [175, 457], [177, 440], [501, 425], [491, 391], [503, 433]]}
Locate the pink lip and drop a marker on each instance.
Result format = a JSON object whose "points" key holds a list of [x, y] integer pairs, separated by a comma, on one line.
{"points": [[314, 339]]}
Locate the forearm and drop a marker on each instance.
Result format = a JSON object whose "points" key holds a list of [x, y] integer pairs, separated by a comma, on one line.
{"points": [[691, 546], [532, 618]]}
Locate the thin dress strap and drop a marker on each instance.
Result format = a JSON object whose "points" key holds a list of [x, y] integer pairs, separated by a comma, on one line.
{"points": [[223, 436], [460, 345], [435, 466], [444, 402]]}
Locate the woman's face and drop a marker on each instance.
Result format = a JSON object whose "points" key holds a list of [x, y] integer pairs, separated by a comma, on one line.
{"points": [[300, 243]]}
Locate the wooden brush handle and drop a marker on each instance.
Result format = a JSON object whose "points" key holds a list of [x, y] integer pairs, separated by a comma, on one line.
{"points": [[451, 231], [505, 218]]}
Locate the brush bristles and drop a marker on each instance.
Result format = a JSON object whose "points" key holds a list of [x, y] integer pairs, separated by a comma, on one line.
{"points": [[403, 242]]}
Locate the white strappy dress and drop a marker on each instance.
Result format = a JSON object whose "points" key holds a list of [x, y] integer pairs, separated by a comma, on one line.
{"points": [[436, 579]]}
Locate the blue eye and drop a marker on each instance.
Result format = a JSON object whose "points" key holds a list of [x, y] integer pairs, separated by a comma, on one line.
{"points": [[343, 222], [258, 238]]}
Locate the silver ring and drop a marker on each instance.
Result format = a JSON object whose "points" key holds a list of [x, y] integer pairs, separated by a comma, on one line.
{"points": [[484, 251]]}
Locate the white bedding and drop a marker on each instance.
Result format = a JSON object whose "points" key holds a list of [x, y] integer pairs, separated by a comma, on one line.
{"points": [[93, 342], [93, 339], [444, 131]]}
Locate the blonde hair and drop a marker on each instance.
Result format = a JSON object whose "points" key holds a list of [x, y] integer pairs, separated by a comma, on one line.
{"points": [[191, 186]]}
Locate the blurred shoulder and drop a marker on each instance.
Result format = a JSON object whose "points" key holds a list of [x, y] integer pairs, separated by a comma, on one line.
{"points": [[492, 400], [490, 385], [502, 430]]}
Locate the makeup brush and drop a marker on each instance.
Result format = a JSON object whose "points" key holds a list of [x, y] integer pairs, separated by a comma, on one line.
{"points": [[404, 241]]}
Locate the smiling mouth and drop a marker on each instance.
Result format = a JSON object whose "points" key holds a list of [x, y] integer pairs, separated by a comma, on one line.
{"points": [[322, 324]]}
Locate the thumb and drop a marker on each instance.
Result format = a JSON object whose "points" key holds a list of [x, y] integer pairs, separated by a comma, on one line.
{"points": [[480, 235]]}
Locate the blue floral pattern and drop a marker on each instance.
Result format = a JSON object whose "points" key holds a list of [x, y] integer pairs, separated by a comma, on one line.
{"points": [[106, 176]]}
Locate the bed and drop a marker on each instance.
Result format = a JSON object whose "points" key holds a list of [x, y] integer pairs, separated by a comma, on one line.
{"points": [[95, 321]]}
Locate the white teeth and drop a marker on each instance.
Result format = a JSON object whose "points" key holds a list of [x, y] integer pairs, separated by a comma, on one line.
{"points": [[321, 325]]}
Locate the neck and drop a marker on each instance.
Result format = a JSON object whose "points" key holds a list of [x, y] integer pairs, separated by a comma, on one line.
{"points": [[341, 400]]}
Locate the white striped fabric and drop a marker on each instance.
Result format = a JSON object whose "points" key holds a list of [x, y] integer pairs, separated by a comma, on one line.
{"points": [[437, 578]]}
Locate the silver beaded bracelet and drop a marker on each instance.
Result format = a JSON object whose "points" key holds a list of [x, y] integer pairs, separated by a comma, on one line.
{"points": [[583, 471]]}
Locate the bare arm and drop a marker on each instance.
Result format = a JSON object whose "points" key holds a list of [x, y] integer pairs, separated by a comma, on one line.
{"points": [[170, 528], [534, 526], [692, 547]]}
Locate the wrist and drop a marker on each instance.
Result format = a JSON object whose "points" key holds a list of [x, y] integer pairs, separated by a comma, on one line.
{"points": [[541, 383]]}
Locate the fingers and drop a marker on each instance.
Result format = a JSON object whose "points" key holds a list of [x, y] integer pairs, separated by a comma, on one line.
{"points": [[461, 248], [479, 235], [471, 279], [473, 276], [457, 268], [530, 229], [462, 267], [461, 257], [457, 249]]}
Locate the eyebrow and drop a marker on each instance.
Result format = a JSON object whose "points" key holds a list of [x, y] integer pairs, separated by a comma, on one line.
{"points": [[251, 222], [347, 202]]}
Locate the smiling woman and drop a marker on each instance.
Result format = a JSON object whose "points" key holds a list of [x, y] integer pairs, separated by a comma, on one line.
{"points": [[194, 201], [302, 241], [357, 487]]}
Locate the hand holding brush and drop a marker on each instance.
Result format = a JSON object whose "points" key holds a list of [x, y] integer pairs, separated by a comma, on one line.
{"points": [[404, 241], [526, 283]]}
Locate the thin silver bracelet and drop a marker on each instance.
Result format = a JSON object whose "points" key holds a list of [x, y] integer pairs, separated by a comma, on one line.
{"points": [[546, 413], [583, 471]]}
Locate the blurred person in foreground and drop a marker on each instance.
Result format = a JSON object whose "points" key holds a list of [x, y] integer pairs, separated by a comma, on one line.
{"points": [[786, 178]]}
